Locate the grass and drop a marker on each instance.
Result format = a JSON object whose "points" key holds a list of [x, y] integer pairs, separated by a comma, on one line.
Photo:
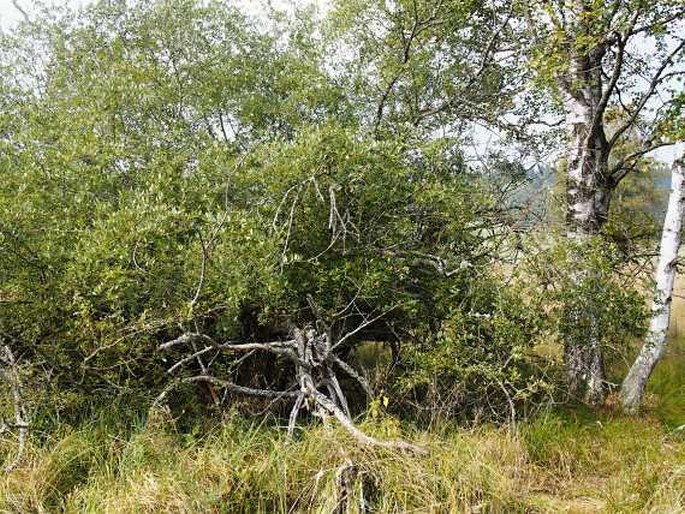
{"points": [[561, 462], [666, 388]]}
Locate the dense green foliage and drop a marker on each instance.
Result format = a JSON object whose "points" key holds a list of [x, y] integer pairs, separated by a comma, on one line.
{"points": [[168, 166], [175, 167]]}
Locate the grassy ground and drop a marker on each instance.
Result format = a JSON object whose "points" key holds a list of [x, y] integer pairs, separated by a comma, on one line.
{"points": [[572, 461]]}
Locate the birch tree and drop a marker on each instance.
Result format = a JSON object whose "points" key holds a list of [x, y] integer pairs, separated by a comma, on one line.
{"points": [[599, 59], [633, 388]]}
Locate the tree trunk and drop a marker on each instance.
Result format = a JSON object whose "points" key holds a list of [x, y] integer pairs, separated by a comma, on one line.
{"points": [[633, 388], [588, 195]]}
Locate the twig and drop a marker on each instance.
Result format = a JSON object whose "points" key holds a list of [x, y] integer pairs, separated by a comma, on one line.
{"points": [[203, 266], [18, 7], [292, 419], [250, 391], [362, 326], [352, 373]]}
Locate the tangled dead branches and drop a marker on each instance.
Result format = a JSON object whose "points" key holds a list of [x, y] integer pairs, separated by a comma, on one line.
{"points": [[316, 386]]}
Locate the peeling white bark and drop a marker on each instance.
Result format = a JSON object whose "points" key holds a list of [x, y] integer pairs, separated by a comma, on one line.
{"points": [[633, 388], [588, 194], [587, 168]]}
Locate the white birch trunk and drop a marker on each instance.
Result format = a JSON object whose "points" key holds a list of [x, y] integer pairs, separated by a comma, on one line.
{"points": [[579, 169], [633, 388], [588, 198]]}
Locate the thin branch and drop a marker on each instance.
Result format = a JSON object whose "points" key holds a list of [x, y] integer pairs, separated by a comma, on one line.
{"points": [[362, 326], [203, 266], [244, 347], [186, 360], [621, 168], [205, 370], [606, 94], [489, 50], [406, 53], [279, 347], [352, 373], [657, 78], [223, 128], [250, 391], [18, 7], [185, 338], [335, 391], [292, 419], [645, 28], [348, 425]]}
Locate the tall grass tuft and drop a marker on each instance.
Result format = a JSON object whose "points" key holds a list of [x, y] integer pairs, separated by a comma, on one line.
{"points": [[570, 462]]}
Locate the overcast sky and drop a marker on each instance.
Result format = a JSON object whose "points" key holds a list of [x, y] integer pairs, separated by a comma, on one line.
{"points": [[10, 15]]}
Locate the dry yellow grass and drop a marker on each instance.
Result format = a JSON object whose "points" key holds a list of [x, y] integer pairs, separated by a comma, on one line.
{"points": [[558, 463]]}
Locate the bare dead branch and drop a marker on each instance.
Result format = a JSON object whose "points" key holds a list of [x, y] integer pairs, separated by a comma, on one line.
{"points": [[292, 419], [365, 324], [185, 339], [352, 373], [235, 388], [360, 436], [190, 358], [312, 354], [335, 392], [11, 375]]}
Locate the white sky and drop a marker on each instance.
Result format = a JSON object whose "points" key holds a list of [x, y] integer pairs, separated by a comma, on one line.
{"points": [[10, 15]]}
